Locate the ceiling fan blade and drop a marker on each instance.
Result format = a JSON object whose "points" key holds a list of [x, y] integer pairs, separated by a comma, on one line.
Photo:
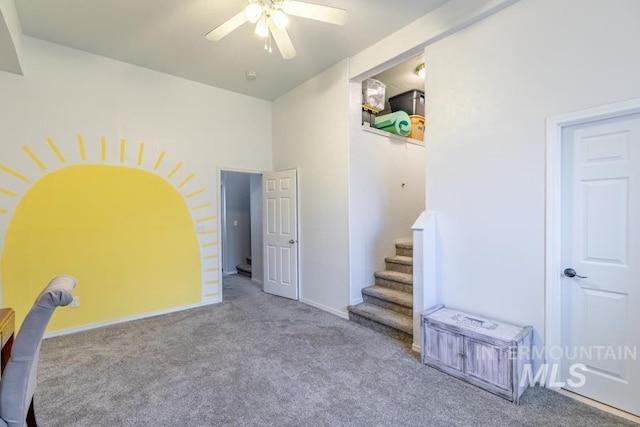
{"points": [[331, 15], [226, 27], [283, 41]]}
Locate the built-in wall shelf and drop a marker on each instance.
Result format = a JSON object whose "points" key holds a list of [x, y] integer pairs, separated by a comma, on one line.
{"points": [[392, 136]]}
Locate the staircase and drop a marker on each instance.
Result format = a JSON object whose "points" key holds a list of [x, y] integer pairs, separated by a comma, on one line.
{"points": [[245, 269], [388, 305]]}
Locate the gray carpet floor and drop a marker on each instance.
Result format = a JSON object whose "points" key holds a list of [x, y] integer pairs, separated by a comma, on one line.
{"points": [[260, 360]]}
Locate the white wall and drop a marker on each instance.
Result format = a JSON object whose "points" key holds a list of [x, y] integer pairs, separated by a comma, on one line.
{"points": [[311, 132], [237, 226], [490, 88], [409, 41], [255, 190], [381, 209], [66, 92]]}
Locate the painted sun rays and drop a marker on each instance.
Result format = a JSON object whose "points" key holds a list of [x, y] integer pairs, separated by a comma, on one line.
{"points": [[36, 160]]}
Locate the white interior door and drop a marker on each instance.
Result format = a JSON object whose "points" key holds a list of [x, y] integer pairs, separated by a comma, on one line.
{"points": [[280, 231], [601, 241]]}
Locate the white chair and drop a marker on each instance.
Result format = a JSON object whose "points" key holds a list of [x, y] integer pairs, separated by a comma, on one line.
{"points": [[18, 383]]}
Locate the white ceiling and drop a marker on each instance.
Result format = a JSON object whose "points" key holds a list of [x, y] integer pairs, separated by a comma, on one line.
{"points": [[168, 36]]}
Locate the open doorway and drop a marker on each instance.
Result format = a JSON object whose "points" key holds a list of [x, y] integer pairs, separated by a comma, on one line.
{"points": [[259, 229], [241, 223]]}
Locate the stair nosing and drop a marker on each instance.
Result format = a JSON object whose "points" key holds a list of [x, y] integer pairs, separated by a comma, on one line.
{"points": [[400, 259], [400, 326], [405, 245], [377, 290], [404, 278]]}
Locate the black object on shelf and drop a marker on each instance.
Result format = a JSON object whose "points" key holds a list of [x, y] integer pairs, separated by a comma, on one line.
{"points": [[411, 102]]}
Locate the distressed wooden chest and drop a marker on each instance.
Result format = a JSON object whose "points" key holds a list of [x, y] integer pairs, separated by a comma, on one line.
{"points": [[483, 352]]}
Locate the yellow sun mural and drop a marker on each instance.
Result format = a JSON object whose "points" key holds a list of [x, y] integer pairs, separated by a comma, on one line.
{"points": [[134, 229]]}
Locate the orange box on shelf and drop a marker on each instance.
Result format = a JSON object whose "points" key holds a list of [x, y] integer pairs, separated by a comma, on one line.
{"points": [[417, 128]]}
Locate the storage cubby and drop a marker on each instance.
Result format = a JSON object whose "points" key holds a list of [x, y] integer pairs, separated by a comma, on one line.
{"points": [[405, 88]]}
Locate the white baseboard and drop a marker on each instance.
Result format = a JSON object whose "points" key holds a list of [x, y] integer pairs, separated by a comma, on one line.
{"points": [[259, 282], [229, 273], [125, 319], [416, 348], [601, 406], [333, 311]]}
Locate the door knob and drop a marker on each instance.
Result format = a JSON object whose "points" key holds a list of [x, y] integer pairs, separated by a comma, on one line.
{"points": [[292, 241], [570, 272]]}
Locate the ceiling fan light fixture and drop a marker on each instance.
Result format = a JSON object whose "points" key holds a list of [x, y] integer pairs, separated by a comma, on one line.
{"points": [[280, 19], [262, 28], [270, 17], [286, 6], [253, 12]]}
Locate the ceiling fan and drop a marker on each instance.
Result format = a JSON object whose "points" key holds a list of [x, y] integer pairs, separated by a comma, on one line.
{"points": [[271, 18]]}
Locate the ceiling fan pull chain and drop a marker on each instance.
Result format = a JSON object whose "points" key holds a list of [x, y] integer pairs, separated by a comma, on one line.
{"points": [[267, 42]]}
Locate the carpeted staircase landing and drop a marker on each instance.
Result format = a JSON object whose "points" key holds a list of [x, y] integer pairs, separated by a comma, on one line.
{"points": [[388, 305]]}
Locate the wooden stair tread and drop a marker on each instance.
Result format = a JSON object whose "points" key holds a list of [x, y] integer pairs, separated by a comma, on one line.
{"points": [[404, 299], [386, 317]]}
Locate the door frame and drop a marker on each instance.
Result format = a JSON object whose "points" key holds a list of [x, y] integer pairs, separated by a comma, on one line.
{"points": [[553, 238], [221, 218]]}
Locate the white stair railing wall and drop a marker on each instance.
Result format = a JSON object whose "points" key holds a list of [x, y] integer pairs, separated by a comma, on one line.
{"points": [[426, 273]]}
